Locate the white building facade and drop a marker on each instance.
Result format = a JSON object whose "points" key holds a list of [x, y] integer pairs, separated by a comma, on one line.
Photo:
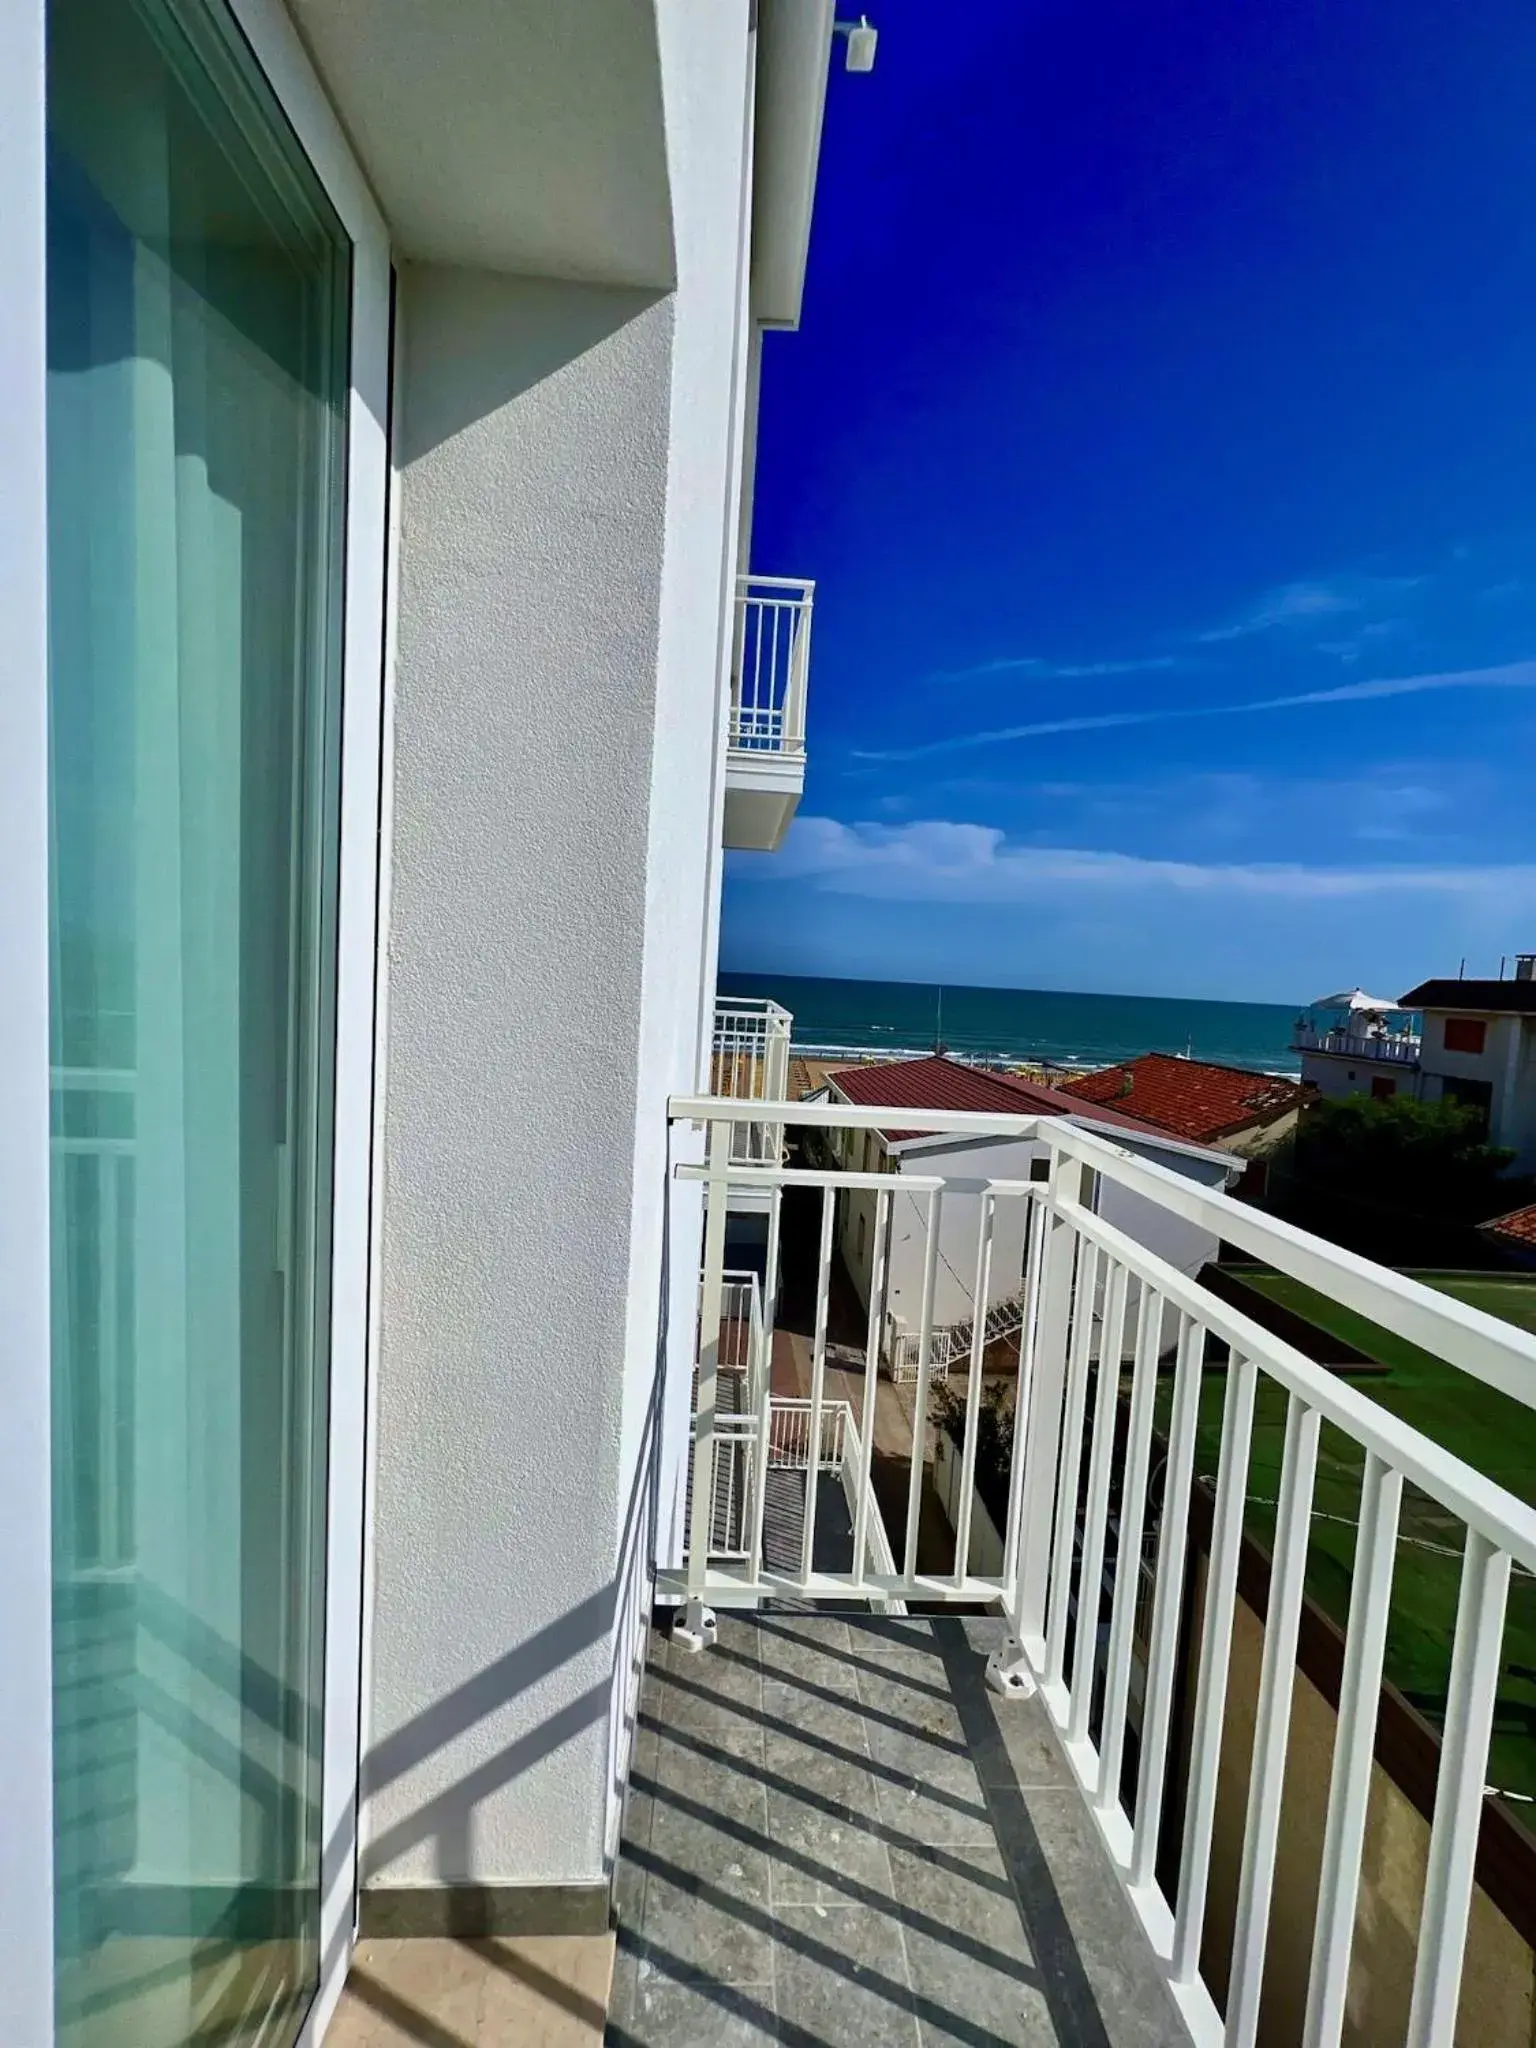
{"points": [[383, 684], [1480, 1048]]}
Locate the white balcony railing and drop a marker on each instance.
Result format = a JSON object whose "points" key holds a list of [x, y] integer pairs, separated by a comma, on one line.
{"points": [[770, 665], [789, 1435], [1116, 1349], [751, 1064], [1397, 1049]]}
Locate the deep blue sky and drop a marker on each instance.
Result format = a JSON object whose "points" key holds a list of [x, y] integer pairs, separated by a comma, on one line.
{"points": [[1161, 366]]}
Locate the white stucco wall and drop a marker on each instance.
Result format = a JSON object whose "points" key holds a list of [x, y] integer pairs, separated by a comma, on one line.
{"points": [[570, 461], [533, 443]]}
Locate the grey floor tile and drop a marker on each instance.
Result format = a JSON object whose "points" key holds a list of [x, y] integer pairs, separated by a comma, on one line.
{"points": [[797, 1730], [911, 1730], [919, 1670], [943, 1803], [825, 1851], [840, 1976], [808, 1666], [697, 1930], [821, 1632], [972, 1972], [706, 1692], [1013, 1742], [668, 2014], [879, 1635], [1095, 1961]]}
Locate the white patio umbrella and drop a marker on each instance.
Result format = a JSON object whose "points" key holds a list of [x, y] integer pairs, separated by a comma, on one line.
{"points": [[1355, 1000]]}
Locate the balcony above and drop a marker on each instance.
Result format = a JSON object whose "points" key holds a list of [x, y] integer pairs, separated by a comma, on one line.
{"points": [[770, 669], [750, 1063], [1396, 1048]]}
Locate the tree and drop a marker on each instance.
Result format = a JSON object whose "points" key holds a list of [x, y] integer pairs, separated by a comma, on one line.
{"points": [[1399, 1180]]}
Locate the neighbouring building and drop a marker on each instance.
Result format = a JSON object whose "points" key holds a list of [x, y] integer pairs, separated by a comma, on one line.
{"points": [[937, 1083], [1513, 1234], [1231, 1108], [1479, 1047], [1462, 1040], [1352, 1043]]}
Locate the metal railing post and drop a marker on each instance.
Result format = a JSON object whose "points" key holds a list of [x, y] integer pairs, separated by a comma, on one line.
{"points": [[1042, 1437], [697, 1628]]}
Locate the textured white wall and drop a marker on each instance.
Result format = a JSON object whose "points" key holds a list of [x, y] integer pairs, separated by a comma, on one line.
{"points": [[533, 446], [571, 466]]}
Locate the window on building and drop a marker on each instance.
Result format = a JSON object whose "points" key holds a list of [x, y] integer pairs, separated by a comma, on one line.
{"points": [[1476, 1095], [1383, 1088], [1465, 1034], [1040, 1169]]}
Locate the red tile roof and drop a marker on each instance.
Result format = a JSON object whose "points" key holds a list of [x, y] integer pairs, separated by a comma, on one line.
{"points": [[1518, 1227], [1192, 1099], [935, 1082]]}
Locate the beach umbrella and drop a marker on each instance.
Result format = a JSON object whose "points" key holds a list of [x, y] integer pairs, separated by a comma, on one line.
{"points": [[1355, 1000]]}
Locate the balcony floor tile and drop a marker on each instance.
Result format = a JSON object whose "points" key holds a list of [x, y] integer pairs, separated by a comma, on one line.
{"points": [[844, 1837]]}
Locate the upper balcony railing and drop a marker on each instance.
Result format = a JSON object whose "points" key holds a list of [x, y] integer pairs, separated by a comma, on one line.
{"points": [[1106, 1439], [770, 665], [750, 1063], [1399, 1048]]}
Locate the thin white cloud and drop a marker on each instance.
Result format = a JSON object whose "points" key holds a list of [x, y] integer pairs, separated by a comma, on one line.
{"points": [[941, 860], [1513, 675], [1303, 604], [1061, 671]]}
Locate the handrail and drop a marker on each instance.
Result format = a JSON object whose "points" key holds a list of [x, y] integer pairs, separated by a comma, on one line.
{"points": [[1498, 1353]]}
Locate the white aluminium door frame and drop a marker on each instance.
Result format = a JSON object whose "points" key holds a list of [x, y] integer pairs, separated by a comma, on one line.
{"points": [[26, 1886], [26, 1669], [366, 684]]}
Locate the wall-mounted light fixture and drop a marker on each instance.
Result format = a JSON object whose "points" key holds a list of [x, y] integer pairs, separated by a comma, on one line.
{"points": [[862, 42]]}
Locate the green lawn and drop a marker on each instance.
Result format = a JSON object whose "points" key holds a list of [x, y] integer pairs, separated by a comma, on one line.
{"points": [[1486, 1428]]}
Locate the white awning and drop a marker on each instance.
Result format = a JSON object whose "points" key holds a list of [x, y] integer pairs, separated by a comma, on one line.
{"points": [[1354, 1000]]}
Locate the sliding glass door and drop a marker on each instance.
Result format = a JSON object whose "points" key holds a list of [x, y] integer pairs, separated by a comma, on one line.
{"points": [[197, 358]]}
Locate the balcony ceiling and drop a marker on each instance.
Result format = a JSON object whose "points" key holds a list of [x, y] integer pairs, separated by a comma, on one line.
{"points": [[508, 137]]}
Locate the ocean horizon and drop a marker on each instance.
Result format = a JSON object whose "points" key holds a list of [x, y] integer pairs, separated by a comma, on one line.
{"points": [[1051, 1026]]}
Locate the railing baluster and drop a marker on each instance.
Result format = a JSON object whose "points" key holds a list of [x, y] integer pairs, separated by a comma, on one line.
{"points": [[818, 1380], [1096, 1506], [920, 1407], [701, 1519], [765, 1385], [985, 1232], [1069, 1472], [1272, 1723], [1128, 1539], [1215, 1658], [1162, 1663], [1034, 1256], [871, 1387], [1475, 1659], [1037, 1513], [1381, 1493]]}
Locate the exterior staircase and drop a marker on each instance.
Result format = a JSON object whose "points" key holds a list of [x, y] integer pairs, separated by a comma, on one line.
{"points": [[951, 1342]]}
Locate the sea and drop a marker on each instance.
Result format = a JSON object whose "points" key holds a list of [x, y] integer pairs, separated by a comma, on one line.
{"points": [[1050, 1026]]}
